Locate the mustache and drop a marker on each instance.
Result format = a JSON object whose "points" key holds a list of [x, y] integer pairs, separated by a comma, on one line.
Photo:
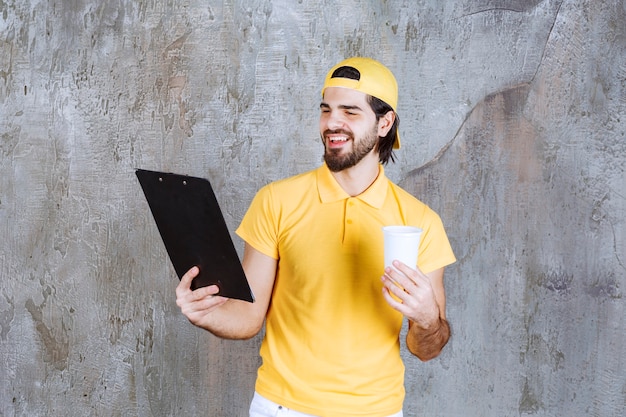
{"points": [[337, 131]]}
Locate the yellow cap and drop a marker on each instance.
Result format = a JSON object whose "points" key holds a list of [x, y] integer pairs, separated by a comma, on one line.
{"points": [[371, 78]]}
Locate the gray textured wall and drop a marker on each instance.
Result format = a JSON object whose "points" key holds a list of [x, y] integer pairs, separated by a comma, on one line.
{"points": [[513, 125]]}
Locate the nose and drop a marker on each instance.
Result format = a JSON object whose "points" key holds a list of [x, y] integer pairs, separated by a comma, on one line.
{"points": [[334, 120]]}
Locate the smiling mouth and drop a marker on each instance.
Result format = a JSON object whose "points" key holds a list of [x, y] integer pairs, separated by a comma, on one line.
{"points": [[337, 136]]}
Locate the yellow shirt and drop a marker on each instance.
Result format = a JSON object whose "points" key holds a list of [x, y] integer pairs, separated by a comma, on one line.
{"points": [[331, 345]]}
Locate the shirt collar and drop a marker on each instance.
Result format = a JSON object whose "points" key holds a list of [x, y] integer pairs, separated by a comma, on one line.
{"points": [[330, 191]]}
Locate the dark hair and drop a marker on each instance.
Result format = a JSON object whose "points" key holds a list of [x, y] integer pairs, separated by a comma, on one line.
{"points": [[380, 108], [385, 144]]}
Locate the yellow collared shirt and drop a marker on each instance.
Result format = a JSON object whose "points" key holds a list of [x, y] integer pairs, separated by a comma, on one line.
{"points": [[331, 344]]}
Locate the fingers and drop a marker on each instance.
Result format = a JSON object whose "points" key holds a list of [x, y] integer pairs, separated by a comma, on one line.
{"points": [[185, 281], [186, 297], [397, 298], [410, 292], [197, 305], [404, 283], [413, 274]]}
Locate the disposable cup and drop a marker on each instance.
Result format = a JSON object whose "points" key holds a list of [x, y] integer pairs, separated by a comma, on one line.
{"points": [[402, 244]]}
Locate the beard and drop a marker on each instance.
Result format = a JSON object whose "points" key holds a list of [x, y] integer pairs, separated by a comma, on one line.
{"points": [[337, 161]]}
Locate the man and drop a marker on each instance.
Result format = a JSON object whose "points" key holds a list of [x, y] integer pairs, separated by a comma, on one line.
{"points": [[314, 259]]}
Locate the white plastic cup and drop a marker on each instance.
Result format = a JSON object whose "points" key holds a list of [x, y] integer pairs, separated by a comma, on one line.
{"points": [[402, 244]]}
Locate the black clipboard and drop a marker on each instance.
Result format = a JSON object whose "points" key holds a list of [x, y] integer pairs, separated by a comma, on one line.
{"points": [[194, 232]]}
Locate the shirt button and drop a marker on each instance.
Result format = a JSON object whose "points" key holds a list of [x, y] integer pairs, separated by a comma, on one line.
{"points": [[349, 221]]}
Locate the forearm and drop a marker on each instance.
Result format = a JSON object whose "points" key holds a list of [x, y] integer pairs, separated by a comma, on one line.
{"points": [[230, 318], [427, 344], [234, 319]]}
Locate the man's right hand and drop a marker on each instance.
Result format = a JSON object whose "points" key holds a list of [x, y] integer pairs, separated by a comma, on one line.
{"points": [[197, 305], [226, 317]]}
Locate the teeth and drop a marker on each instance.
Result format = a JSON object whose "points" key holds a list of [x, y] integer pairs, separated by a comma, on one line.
{"points": [[338, 140]]}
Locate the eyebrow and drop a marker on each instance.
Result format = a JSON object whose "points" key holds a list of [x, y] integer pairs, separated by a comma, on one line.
{"points": [[341, 106]]}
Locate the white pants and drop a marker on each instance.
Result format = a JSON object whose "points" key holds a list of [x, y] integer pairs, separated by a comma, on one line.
{"points": [[262, 407]]}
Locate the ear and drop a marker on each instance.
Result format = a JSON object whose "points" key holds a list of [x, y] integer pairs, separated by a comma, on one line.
{"points": [[385, 123]]}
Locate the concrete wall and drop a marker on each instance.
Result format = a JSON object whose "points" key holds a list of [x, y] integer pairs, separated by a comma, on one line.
{"points": [[513, 125]]}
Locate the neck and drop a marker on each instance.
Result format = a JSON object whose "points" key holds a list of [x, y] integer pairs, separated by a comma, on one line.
{"points": [[355, 180]]}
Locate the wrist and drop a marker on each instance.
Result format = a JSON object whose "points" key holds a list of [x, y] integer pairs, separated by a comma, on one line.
{"points": [[428, 343]]}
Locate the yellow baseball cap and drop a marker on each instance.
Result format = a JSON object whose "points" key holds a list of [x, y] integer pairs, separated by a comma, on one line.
{"points": [[371, 77]]}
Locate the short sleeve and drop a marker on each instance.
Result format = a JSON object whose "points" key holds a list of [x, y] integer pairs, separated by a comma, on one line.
{"points": [[435, 249], [258, 227]]}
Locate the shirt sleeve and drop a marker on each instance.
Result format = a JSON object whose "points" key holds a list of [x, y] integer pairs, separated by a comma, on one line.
{"points": [[435, 250], [258, 227]]}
